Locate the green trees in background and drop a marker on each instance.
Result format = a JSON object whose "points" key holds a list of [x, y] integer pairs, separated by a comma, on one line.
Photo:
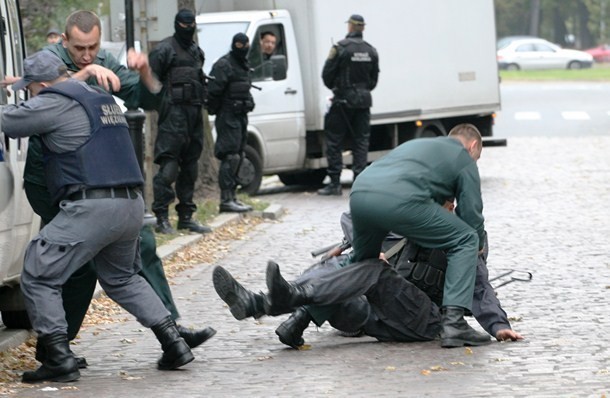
{"points": [[39, 16], [569, 23]]}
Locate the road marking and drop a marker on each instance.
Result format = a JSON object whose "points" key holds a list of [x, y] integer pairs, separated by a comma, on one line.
{"points": [[575, 115], [527, 115]]}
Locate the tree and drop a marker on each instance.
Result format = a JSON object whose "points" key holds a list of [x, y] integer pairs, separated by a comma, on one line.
{"points": [[38, 16]]}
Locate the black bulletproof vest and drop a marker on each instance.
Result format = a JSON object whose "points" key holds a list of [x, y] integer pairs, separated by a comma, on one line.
{"points": [[185, 81]]}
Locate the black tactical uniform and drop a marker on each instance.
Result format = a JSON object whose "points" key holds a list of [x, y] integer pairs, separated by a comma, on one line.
{"points": [[351, 71], [177, 61], [230, 100]]}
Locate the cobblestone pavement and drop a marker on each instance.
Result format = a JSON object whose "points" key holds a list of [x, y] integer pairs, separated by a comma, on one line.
{"points": [[546, 206]]}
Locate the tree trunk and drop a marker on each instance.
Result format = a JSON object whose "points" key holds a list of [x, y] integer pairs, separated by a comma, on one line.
{"points": [[585, 38], [534, 29]]}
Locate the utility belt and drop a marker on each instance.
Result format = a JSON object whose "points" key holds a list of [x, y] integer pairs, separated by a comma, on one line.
{"points": [[186, 94], [238, 106], [106, 193]]}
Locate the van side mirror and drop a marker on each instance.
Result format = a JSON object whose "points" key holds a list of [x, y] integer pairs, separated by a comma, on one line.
{"points": [[279, 66]]}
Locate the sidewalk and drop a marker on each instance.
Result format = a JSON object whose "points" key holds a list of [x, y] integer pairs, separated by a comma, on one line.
{"points": [[10, 338]]}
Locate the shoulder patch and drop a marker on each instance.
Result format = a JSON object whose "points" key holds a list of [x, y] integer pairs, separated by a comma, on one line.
{"points": [[332, 53]]}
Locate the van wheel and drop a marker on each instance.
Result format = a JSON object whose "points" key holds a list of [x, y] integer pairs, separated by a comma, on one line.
{"points": [[250, 173], [305, 177], [16, 320]]}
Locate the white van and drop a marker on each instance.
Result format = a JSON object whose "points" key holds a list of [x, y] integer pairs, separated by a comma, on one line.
{"points": [[437, 70], [18, 223]]}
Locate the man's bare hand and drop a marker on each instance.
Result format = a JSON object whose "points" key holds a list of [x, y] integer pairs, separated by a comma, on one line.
{"points": [[508, 334], [104, 76], [139, 61], [8, 80]]}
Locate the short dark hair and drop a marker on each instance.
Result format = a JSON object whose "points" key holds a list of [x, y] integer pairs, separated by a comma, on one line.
{"points": [[268, 32], [467, 131], [84, 20]]}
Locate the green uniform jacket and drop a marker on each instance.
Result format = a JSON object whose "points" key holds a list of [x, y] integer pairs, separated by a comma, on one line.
{"points": [[429, 169]]}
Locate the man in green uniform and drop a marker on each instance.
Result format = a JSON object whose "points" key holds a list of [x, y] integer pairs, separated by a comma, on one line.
{"points": [[80, 51], [422, 174], [403, 192]]}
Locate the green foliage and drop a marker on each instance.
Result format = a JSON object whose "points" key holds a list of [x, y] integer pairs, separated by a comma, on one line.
{"points": [[600, 72], [38, 16]]}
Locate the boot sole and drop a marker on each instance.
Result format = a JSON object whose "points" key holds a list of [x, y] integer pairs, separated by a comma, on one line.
{"points": [[181, 361], [452, 343], [66, 378], [225, 286]]}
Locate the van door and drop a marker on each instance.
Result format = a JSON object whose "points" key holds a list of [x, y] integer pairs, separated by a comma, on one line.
{"points": [[18, 223], [279, 115]]}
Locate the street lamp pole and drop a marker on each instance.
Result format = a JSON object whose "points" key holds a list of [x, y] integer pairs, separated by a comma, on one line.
{"points": [[135, 117]]}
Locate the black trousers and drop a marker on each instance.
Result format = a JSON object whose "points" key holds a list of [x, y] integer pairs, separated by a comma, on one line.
{"points": [[178, 147], [339, 122], [399, 311]]}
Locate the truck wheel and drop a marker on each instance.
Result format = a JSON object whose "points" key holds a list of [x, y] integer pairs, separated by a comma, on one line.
{"points": [[251, 172], [16, 320], [305, 177]]}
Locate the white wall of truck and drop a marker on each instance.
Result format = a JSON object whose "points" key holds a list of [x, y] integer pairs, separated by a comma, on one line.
{"points": [[437, 61]]}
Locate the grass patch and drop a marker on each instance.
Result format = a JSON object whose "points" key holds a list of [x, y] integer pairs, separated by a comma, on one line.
{"points": [[206, 211], [599, 72]]}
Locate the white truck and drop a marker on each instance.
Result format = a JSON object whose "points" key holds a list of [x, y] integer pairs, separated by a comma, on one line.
{"points": [[437, 69], [18, 223]]}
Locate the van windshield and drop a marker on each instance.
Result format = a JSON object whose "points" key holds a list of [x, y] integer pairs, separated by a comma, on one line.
{"points": [[215, 40]]}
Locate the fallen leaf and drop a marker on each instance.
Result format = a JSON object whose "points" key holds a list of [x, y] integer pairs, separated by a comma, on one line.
{"points": [[457, 363], [437, 368], [425, 372], [468, 351], [390, 368], [304, 347]]}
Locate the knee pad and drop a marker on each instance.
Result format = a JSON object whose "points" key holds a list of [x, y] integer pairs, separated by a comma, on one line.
{"points": [[234, 161], [169, 172]]}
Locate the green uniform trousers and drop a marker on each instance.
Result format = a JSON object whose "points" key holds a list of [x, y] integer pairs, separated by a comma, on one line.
{"points": [[425, 223], [78, 291]]}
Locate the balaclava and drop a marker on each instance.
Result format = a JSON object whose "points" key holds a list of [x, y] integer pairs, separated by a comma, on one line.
{"points": [[184, 36], [240, 53]]}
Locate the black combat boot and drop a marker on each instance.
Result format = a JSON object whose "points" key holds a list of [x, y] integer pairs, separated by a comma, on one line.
{"points": [[185, 221], [291, 330], [228, 203], [176, 352], [41, 355], [457, 333], [332, 189], [242, 302], [59, 363], [194, 338], [164, 226], [240, 203], [284, 296]]}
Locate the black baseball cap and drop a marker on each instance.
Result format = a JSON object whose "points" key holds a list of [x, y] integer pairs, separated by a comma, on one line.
{"points": [[356, 19]]}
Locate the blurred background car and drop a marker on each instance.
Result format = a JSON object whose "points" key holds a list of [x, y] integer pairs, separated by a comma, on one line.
{"points": [[600, 53], [536, 53], [505, 41]]}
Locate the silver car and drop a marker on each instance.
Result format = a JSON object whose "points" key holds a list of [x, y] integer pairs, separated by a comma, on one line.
{"points": [[533, 53]]}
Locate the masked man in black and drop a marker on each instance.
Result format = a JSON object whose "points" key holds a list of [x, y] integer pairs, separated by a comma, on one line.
{"points": [[177, 62], [230, 100]]}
